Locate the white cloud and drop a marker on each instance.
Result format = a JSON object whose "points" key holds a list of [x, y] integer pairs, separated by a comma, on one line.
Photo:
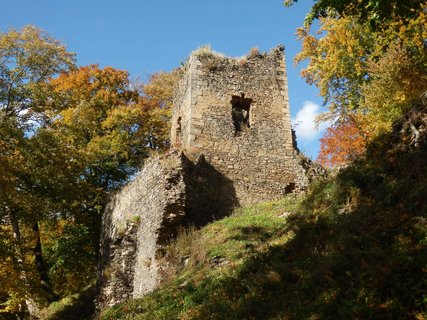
{"points": [[304, 122]]}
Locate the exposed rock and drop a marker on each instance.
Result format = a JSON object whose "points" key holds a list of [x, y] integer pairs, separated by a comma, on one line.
{"points": [[285, 215], [217, 261], [410, 131]]}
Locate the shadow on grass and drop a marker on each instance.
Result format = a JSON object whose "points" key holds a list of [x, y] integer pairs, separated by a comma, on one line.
{"points": [[331, 270], [251, 234], [79, 306], [361, 255]]}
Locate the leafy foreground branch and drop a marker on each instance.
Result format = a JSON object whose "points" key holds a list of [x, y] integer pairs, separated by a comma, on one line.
{"points": [[354, 247]]}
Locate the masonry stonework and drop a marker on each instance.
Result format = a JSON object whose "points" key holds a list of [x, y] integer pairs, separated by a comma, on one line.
{"points": [[231, 145], [138, 219], [257, 154]]}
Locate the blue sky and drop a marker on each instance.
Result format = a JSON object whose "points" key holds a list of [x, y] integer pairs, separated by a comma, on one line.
{"points": [[145, 36]]}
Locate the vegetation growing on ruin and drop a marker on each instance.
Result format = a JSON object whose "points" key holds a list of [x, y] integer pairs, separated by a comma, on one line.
{"points": [[355, 245]]}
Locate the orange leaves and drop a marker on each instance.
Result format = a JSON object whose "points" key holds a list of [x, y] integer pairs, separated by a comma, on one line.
{"points": [[341, 144], [366, 76], [110, 122], [109, 86]]}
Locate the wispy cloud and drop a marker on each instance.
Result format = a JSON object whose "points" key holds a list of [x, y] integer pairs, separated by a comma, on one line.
{"points": [[304, 123]]}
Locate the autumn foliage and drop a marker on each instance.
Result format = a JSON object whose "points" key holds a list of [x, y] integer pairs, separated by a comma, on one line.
{"points": [[366, 75], [340, 144], [68, 137]]}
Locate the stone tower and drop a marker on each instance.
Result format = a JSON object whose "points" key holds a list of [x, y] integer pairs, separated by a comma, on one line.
{"points": [[236, 113], [231, 145]]}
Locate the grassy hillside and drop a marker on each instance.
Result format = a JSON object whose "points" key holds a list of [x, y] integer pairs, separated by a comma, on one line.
{"points": [[263, 263], [353, 247]]}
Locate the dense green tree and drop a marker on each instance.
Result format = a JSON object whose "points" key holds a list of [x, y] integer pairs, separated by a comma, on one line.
{"points": [[377, 12]]}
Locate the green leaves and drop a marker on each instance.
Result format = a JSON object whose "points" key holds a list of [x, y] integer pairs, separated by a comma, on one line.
{"points": [[68, 136], [28, 58], [70, 256], [373, 12], [368, 77]]}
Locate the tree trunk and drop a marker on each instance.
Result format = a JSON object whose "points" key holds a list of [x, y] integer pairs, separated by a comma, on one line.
{"points": [[31, 304], [41, 269]]}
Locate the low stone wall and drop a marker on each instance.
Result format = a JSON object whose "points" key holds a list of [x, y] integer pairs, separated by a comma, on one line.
{"points": [[170, 191]]}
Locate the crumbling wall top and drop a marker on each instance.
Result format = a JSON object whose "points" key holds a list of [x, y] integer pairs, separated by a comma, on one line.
{"points": [[216, 93]]}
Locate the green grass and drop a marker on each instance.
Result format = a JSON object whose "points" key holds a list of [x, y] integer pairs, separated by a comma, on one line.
{"points": [[201, 287], [76, 306], [318, 266]]}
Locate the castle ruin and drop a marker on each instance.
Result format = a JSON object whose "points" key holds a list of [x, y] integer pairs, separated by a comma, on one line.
{"points": [[236, 113], [231, 145]]}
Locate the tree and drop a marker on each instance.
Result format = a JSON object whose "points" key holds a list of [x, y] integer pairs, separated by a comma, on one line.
{"points": [[69, 136], [342, 143], [376, 12], [111, 124], [156, 98], [98, 129], [337, 62], [27, 59], [368, 77]]}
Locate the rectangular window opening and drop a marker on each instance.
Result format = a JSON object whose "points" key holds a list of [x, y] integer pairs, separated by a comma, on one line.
{"points": [[240, 111]]}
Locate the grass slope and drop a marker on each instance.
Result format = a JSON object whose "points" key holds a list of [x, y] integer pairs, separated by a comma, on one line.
{"points": [[76, 306], [222, 274], [331, 264], [354, 247]]}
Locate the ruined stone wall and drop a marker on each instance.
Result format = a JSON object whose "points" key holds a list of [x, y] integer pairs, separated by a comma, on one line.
{"points": [[139, 219], [171, 191], [232, 145], [260, 159], [210, 195], [182, 108]]}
